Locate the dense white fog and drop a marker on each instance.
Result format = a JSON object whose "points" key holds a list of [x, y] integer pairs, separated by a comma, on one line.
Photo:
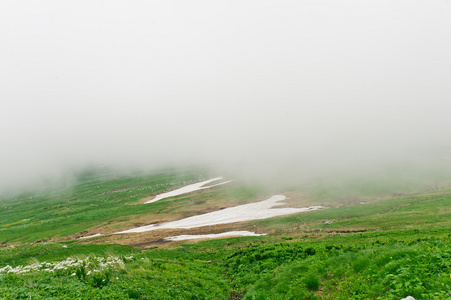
{"points": [[284, 89]]}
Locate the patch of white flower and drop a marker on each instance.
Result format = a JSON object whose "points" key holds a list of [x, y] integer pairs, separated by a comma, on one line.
{"points": [[93, 263]]}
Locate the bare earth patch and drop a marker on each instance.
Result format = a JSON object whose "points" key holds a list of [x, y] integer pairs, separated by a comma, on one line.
{"points": [[216, 222], [208, 218], [246, 212]]}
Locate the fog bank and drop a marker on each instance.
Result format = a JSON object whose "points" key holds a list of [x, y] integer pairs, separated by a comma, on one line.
{"points": [[279, 90]]}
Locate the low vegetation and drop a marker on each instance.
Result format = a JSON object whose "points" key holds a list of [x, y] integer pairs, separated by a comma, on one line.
{"points": [[384, 249]]}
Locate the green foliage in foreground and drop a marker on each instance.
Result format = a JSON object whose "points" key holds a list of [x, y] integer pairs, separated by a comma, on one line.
{"points": [[402, 247], [22, 255], [350, 271], [367, 266]]}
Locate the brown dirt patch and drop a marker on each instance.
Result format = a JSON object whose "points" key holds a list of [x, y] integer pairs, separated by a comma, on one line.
{"points": [[156, 237]]}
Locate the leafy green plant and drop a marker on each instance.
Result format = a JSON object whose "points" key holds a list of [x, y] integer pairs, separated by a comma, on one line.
{"points": [[311, 281]]}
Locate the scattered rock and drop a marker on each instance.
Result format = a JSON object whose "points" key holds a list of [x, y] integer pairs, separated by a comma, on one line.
{"points": [[236, 295]]}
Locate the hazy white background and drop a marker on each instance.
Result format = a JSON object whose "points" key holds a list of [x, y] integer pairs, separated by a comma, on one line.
{"points": [[270, 86]]}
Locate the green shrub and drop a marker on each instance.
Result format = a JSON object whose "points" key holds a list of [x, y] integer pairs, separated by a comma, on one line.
{"points": [[361, 264], [311, 281]]}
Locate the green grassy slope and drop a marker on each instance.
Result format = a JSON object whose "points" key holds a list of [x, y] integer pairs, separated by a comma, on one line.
{"points": [[385, 249], [91, 202], [426, 210], [111, 203]]}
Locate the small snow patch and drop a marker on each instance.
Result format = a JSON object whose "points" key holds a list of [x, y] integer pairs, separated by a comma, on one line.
{"points": [[90, 236], [188, 189], [211, 236]]}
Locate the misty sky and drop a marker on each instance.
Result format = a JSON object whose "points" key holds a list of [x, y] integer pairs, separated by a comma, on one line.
{"points": [[304, 84]]}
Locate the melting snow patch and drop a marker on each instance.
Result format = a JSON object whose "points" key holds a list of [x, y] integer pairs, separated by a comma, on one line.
{"points": [[90, 236], [188, 189], [211, 236], [246, 212]]}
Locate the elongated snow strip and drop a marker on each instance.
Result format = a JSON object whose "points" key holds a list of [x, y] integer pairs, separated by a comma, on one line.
{"points": [[247, 212], [211, 236], [187, 189], [89, 236]]}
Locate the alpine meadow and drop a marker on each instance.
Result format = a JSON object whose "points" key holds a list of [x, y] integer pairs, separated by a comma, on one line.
{"points": [[225, 149]]}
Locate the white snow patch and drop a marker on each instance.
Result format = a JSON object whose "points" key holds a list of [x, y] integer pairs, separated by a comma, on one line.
{"points": [[246, 212], [90, 236], [211, 236], [187, 189]]}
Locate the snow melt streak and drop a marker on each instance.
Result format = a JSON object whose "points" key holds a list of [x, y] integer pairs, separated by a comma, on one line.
{"points": [[187, 189], [246, 212], [211, 236]]}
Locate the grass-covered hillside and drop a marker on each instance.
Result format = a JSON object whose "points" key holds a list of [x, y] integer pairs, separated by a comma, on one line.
{"points": [[377, 246]]}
